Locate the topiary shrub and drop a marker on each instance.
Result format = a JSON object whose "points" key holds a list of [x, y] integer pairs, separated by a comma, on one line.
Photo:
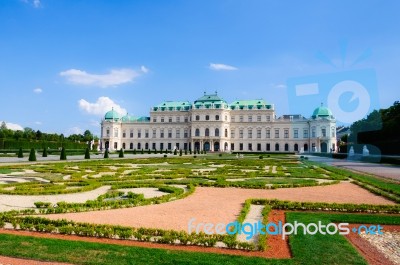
{"points": [[149, 151], [20, 153], [155, 151], [260, 157], [87, 153], [220, 155], [44, 154], [134, 151], [194, 156], [142, 151], [180, 152], [165, 155], [121, 153], [185, 151], [175, 152], [106, 155], [190, 151], [32, 155], [63, 155]]}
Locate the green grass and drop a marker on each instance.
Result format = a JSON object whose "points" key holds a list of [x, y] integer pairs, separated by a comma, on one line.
{"points": [[306, 249], [96, 253]]}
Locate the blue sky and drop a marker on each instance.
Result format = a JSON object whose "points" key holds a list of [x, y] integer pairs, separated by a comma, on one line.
{"points": [[64, 63]]}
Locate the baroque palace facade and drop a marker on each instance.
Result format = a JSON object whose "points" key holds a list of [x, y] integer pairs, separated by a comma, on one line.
{"points": [[211, 124]]}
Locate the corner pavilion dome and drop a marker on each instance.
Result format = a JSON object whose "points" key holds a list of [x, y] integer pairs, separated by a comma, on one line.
{"points": [[322, 112], [112, 115]]}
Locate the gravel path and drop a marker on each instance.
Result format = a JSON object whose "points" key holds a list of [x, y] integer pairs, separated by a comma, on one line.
{"points": [[19, 202], [219, 205], [253, 216], [17, 261]]}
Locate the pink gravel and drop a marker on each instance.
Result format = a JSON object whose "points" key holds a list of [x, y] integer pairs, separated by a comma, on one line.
{"points": [[218, 205]]}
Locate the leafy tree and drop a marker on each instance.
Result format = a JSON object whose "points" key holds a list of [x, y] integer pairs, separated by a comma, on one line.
{"points": [[87, 153], [20, 153], [3, 126], [32, 155], [121, 153], [63, 155], [44, 154], [87, 136]]}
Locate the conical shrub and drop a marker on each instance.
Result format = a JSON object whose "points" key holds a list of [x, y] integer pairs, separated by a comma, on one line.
{"points": [[106, 153], [44, 154], [32, 155], [121, 153], [87, 153], [63, 155], [20, 153]]}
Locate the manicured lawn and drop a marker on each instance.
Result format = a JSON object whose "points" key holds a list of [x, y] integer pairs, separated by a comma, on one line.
{"points": [[306, 249]]}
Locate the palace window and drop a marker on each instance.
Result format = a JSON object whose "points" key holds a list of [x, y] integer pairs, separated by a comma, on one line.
{"points": [[258, 118], [169, 134], [226, 132], [323, 131], [131, 134], [217, 132], [250, 133], [232, 134], [170, 119], [207, 132], [162, 133], [286, 133], [217, 117], [115, 132], [241, 134], [162, 119], [154, 134], [241, 118], [207, 117], [185, 133], [124, 134], [305, 133], [258, 133], [276, 133], [197, 117], [296, 133], [268, 135], [250, 118], [178, 133], [146, 134], [139, 134], [197, 132]]}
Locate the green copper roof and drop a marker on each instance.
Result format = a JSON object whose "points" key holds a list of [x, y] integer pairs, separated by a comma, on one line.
{"points": [[112, 115], [213, 98], [322, 112], [129, 118], [173, 105], [250, 104]]}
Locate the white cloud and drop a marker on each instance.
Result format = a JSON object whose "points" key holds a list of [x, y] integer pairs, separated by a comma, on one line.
{"points": [[73, 130], [280, 86], [222, 67], [38, 122], [36, 3], [38, 90], [113, 78], [13, 126], [101, 106], [144, 69]]}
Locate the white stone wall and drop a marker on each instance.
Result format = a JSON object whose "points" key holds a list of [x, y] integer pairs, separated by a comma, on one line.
{"points": [[170, 126]]}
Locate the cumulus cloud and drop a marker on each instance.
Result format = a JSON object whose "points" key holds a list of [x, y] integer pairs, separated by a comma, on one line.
{"points": [[280, 86], [13, 126], [73, 130], [222, 67], [101, 106], [113, 78], [36, 3], [38, 90]]}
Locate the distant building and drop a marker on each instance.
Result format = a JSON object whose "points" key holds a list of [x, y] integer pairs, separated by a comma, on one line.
{"points": [[211, 124]]}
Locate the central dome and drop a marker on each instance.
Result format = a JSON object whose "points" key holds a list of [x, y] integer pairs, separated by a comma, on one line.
{"points": [[322, 112], [112, 115]]}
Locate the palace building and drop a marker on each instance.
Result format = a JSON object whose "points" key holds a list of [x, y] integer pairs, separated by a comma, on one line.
{"points": [[212, 124]]}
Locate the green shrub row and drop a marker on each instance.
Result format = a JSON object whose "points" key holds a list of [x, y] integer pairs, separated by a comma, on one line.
{"points": [[324, 206], [378, 191]]}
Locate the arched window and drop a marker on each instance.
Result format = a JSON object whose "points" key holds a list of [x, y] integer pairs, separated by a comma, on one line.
{"points": [[305, 147], [226, 132], [296, 147], [207, 117], [216, 132], [276, 147], [197, 132], [286, 147], [197, 117], [207, 132], [131, 146], [139, 146], [217, 117], [123, 145]]}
